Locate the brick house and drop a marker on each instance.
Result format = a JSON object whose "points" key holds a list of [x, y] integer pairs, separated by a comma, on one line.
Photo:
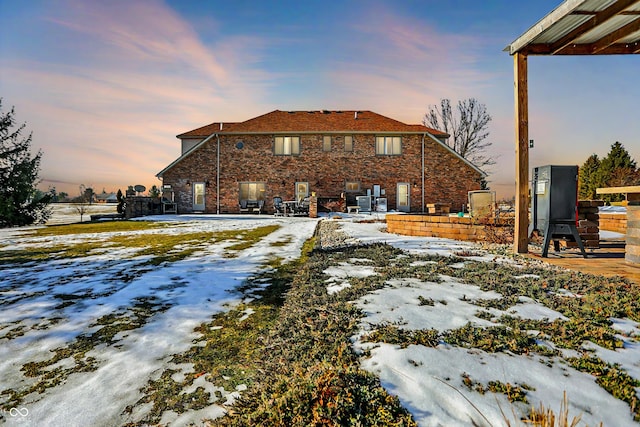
{"points": [[334, 154]]}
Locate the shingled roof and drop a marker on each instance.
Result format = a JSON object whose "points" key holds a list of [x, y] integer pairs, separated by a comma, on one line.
{"points": [[312, 122]]}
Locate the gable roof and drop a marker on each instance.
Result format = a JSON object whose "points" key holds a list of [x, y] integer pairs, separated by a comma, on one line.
{"points": [[312, 122], [205, 131]]}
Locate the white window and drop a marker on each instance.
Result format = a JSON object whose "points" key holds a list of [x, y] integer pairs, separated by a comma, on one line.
{"points": [[302, 190], [286, 145], [252, 190], [388, 145], [326, 143], [348, 143]]}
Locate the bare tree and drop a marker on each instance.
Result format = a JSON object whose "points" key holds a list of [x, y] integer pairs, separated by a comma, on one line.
{"points": [[467, 127]]}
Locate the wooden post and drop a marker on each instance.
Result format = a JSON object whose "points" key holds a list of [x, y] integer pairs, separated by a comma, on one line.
{"points": [[521, 238]]}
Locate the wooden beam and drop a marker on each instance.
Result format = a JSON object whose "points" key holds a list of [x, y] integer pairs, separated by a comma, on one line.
{"points": [[616, 35], [521, 95], [584, 49], [618, 190], [600, 18]]}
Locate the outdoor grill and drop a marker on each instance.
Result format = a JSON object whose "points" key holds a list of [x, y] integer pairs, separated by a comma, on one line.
{"points": [[554, 204]]}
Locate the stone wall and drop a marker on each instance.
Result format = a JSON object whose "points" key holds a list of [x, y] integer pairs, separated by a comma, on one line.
{"points": [[632, 247], [447, 177], [614, 222], [444, 226], [588, 224]]}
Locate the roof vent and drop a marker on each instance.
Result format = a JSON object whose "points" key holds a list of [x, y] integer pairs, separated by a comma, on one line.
{"points": [[355, 116], [220, 125]]}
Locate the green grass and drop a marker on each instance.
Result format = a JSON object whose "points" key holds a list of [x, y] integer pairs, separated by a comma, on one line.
{"points": [[97, 227], [294, 353], [587, 301], [158, 247]]}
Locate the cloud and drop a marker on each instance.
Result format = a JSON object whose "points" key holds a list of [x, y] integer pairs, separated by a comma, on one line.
{"points": [[114, 83], [399, 65]]}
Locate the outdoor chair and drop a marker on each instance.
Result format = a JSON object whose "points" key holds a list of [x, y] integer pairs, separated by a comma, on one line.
{"points": [[302, 207], [244, 206], [278, 207]]}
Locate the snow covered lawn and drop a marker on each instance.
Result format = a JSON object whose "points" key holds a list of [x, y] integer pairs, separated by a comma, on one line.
{"points": [[80, 336], [458, 334]]}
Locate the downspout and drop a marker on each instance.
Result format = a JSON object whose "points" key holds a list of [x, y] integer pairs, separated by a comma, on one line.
{"points": [[218, 174], [422, 173]]}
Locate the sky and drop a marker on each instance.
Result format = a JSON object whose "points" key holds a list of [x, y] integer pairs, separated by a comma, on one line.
{"points": [[106, 86]]}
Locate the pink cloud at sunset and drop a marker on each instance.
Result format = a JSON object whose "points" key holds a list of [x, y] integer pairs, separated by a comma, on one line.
{"points": [[106, 86]]}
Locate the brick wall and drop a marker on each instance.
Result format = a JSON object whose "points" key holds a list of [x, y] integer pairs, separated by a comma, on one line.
{"points": [[447, 177], [588, 224]]}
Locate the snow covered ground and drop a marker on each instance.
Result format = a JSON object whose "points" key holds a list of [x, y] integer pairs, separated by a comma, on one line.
{"points": [[51, 304], [417, 374], [182, 295]]}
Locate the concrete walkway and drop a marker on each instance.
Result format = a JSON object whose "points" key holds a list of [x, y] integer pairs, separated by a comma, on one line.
{"points": [[608, 260]]}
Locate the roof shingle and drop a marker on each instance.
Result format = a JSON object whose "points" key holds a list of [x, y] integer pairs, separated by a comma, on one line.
{"points": [[313, 121]]}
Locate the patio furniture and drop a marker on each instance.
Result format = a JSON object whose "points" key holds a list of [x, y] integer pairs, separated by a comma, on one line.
{"points": [[251, 206], [278, 207], [302, 208], [169, 206], [289, 207]]}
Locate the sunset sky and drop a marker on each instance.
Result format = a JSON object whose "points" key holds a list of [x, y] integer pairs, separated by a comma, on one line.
{"points": [[106, 85]]}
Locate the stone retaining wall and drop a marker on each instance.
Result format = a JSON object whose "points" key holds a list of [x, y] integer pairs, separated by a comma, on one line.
{"points": [[447, 227], [614, 222], [632, 248]]}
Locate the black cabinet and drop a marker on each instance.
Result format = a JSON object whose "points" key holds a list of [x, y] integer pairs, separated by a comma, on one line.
{"points": [[554, 203]]}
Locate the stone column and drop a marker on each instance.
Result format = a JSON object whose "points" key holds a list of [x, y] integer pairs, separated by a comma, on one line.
{"points": [[632, 249], [313, 206]]}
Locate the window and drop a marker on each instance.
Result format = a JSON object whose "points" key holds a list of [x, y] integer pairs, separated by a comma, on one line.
{"points": [[326, 143], [252, 190], [348, 143], [350, 186], [302, 190], [286, 145], [388, 145]]}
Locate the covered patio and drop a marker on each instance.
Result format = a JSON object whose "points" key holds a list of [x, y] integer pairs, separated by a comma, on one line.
{"points": [[575, 27]]}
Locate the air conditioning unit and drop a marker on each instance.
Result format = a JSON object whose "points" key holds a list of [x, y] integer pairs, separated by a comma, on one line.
{"points": [[364, 203]]}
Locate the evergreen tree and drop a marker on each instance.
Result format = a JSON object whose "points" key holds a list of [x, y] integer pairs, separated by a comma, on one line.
{"points": [[618, 169], [589, 178], [154, 192], [20, 201]]}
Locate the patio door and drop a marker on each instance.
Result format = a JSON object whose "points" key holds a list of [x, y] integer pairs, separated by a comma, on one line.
{"points": [[198, 196], [403, 202]]}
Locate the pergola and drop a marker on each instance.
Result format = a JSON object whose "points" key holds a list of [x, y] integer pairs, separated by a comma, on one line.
{"points": [[576, 27]]}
